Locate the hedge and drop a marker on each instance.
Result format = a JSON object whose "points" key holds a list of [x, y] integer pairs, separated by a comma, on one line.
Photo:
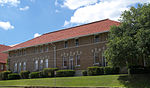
{"points": [[111, 70], [95, 70], [13, 76], [49, 72], [24, 74], [4, 75], [138, 70], [84, 73], [65, 73], [35, 75]]}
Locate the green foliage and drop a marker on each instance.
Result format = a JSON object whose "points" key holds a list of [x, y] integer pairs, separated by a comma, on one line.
{"points": [[4, 75], [49, 72], [111, 70], [84, 72], [95, 71], [65, 73], [35, 75], [24, 74], [129, 43], [13, 76], [138, 70]]}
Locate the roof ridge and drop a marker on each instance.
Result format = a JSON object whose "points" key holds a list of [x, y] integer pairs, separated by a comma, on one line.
{"points": [[78, 26]]}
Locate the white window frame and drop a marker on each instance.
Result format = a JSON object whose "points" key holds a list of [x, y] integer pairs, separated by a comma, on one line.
{"points": [[41, 64], [24, 66], [15, 67], [2, 67], [46, 63], [36, 65], [77, 57], [95, 58], [64, 59], [20, 67]]}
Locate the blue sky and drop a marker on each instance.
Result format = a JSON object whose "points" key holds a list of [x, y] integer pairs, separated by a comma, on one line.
{"points": [[21, 20]]}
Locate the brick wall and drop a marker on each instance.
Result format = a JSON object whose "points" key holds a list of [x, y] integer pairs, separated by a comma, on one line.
{"points": [[85, 50]]}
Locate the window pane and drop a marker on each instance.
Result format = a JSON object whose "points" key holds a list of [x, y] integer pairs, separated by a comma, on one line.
{"points": [[96, 39], [66, 44], [77, 60], [96, 58], [77, 42], [46, 63], [64, 61]]}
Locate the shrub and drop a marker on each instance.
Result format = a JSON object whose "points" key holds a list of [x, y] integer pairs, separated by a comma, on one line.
{"points": [[146, 69], [13, 76], [65, 73], [138, 70], [111, 70], [4, 75], [95, 70], [34, 75], [49, 72], [24, 74], [84, 73]]}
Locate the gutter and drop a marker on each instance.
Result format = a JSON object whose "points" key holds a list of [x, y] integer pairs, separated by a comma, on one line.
{"points": [[55, 41]]}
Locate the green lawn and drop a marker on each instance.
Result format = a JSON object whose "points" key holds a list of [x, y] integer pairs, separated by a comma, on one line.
{"points": [[140, 81]]}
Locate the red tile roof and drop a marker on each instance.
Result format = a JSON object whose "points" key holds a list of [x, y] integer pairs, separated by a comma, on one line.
{"points": [[3, 56], [86, 29]]}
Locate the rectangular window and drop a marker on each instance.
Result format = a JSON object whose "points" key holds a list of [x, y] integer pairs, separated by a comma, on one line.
{"points": [[24, 66], [36, 65], [66, 44], [46, 48], [20, 67], [15, 67], [77, 42], [2, 67], [96, 58], [41, 64], [96, 38], [77, 60], [64, 62], [46, 63]]}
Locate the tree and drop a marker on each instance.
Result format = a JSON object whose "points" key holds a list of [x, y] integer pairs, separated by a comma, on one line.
{"points": [[129, 43]]}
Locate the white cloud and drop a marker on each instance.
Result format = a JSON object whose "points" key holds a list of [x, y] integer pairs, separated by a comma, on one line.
{"points": [[57, 11], [37, 35], [74, 4], [66, 23], [56, 2], [6, 25], [24, 9], [88, 12], [9, 2]]}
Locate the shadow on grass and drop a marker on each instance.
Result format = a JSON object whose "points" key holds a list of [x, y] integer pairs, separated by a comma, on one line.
{"points": [[135, 81]]}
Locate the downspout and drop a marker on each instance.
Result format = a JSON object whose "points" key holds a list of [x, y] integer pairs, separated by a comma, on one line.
{"points": [[54, 54]]}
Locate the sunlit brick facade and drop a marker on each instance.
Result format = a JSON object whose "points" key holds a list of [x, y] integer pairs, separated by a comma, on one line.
{"points": [[66, 52]]}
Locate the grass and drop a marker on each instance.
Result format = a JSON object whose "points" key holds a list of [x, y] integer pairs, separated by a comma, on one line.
{"points": [[123, 80]]}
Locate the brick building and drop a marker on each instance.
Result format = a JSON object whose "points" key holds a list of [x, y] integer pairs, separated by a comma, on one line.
{"points": [[3, 57], [72, 48]]}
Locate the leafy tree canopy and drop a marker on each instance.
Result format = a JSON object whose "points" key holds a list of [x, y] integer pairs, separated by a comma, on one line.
{"points": [[129, 43]]}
